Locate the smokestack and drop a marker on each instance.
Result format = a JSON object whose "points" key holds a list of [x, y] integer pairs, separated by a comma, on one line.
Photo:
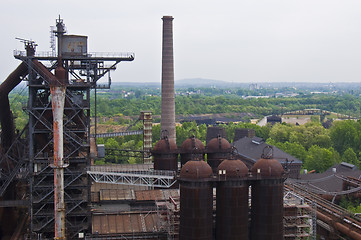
{"points": [[168, 103]]}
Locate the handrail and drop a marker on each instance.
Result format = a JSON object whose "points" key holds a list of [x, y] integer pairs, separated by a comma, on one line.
{"points": [[21, 53]]}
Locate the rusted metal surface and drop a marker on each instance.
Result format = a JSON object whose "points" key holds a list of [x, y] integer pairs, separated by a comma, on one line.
{"points": [[44, 72], [267, 209], [217, 150], [232, 169], [116, 195], [165, 154], [95, 197], [232, 201], [214, 132], [267, 200], [196, 200], [57, 90], [195, 170], [267, 168], [149, 195], [196, 211], [132, 223], [13, 79], [339, 226], [191, 149], [57, 100], [146, 116], [174, 193], [168, 101], [74, 45], [6, 117]]}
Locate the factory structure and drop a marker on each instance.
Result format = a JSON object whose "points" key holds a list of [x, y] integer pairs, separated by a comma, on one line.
{"points": [[49, 188]]}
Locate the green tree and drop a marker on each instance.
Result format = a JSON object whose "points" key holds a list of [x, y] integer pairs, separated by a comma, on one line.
{"points": [[294, 149], [350, 156], [111, 150], [280, 133], [346, 134], [320, 159]]}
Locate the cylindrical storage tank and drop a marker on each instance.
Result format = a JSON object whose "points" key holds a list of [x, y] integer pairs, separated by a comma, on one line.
{"points": [[165, 155], [267, 200], [191, 149], [232, 201], [218, 149], [196, 201]]}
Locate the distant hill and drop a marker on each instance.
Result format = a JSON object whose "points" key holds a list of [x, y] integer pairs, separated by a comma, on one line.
{"points": [[185, 83], [137, 84], [208, 83]]}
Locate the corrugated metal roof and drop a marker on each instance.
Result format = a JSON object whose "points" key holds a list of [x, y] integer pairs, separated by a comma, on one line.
{"points": [[149, 195], [329, 181], [252, 149], [116, 195], [111, 224]]}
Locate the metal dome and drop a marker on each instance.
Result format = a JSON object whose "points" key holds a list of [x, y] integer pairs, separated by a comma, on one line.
{"points": [[218, 144], [233, 169], [266, 166], [165, 145], [196, 170], [192, 145]]}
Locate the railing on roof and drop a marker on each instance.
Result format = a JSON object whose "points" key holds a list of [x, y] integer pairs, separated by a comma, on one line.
{"points": [[21, 53], [149, 178], [117, 134]]}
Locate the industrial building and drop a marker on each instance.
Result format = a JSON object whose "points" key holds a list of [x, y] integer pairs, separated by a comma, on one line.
{"points": [[49, 188]]}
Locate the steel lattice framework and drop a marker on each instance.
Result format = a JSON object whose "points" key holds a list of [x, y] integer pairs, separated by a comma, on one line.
{"points": [[150, 178], [34, 151]]}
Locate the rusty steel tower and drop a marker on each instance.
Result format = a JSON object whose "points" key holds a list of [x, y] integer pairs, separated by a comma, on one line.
{"points": [[52, 154], [168, 102]]}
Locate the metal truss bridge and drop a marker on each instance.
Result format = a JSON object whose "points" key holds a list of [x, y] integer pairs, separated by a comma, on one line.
{"points": [[149, 178], [117, 134]]}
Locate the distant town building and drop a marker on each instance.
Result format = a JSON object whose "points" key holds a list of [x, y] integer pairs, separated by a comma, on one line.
{"points": [[274, 119]]}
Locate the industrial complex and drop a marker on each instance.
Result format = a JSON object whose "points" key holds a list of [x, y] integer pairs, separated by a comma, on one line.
{"points": [[50, 188]]}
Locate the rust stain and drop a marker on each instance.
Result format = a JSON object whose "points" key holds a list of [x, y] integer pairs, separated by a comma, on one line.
{"points": [[124, 223]]}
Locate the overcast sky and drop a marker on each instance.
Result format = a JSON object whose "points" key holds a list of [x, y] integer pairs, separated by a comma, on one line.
{"points": [[229, 40]]}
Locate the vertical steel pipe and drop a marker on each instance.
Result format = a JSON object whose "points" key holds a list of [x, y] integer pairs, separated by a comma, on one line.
{"points": [[6, 117], [168, 102], [57, 100], [58, 90]]}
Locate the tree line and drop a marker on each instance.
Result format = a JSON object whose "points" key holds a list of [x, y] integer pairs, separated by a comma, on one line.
{"points": [[317, 147], [201, 104]]}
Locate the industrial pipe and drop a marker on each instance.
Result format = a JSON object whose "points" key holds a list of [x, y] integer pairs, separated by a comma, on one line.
{"points": [[58, 89], [44, 72], [6, 117], [339, 226]]}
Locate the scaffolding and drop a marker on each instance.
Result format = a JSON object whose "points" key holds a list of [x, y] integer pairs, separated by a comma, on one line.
{"points": [[168, 213], [299, 218]]}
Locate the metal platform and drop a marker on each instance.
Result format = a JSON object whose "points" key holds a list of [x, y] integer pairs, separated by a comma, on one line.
{"points": [[149, 178]]}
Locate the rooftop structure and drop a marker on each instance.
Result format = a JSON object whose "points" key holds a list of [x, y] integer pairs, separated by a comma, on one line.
{"points": [[251, 149]]}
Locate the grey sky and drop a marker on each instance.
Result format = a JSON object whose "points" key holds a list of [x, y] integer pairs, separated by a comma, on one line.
{"points": [[230, 40]]}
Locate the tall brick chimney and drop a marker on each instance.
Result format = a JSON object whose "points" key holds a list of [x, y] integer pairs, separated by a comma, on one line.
{"points": [[168, 104]]}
